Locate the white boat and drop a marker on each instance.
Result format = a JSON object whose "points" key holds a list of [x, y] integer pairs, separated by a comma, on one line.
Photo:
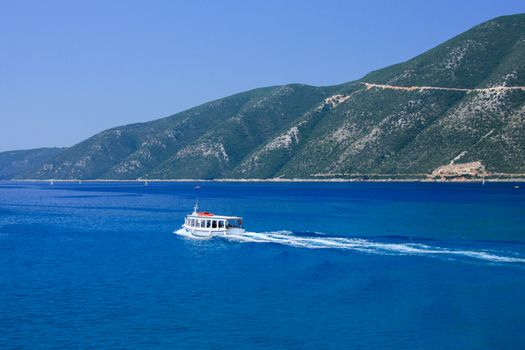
{"points": [[202, 224]]}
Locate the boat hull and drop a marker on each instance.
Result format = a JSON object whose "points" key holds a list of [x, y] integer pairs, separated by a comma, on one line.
{"points": [[206, 234]]}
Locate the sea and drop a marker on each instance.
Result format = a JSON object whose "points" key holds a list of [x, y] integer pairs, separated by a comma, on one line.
{"points": [[321, 266]]}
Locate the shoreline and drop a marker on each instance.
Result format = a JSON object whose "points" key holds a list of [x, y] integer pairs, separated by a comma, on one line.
{"points": [[271, 180]]}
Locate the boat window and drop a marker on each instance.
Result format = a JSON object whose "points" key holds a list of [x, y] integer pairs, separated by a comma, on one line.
{"points": [[192, 223], [197, 223], [233, 223], [221, 224], [208, 223], [214, 224]]}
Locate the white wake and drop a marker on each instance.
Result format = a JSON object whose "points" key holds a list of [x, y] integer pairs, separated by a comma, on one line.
{"points": [[368, 246]]}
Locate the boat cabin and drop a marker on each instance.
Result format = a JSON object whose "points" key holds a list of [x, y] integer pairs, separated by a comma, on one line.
{"points": [[208, 221]]}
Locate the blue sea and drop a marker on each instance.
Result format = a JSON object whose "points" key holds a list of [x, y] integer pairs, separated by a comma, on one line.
{"points": [[321, 266]]}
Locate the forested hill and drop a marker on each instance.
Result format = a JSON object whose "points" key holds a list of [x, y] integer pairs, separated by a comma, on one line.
{"points": [[459, 102]]}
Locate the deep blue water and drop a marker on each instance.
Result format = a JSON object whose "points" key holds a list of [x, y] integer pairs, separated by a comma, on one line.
{"points": [[323, 265]]}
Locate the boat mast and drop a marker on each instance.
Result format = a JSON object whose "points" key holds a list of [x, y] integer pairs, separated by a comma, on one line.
{"points": [[196, 207]]}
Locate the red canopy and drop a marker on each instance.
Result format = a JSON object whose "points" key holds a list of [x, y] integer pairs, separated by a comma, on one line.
{"points": [[204, 213]]}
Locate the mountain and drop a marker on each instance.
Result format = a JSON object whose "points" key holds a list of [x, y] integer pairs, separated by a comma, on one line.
{"points": [[462, 101], [18, 163]]}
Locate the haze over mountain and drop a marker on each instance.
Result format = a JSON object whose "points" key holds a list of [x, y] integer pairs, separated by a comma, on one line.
{"points": [[461, 101]]}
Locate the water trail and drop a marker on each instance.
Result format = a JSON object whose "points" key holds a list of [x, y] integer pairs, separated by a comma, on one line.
{"points": [[370, 246]]}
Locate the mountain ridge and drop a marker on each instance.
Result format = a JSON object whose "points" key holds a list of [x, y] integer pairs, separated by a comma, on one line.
{"points": [[463, 99]]}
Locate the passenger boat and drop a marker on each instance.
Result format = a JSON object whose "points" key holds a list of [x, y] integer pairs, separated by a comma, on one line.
{"points": [[202, 224]]}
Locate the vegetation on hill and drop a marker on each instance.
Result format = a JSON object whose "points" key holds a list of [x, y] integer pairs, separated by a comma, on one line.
{"points": [[301, 131], [24, 163]]}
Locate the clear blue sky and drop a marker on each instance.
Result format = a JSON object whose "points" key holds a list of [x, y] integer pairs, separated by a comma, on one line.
{"points": [[69, 69]]}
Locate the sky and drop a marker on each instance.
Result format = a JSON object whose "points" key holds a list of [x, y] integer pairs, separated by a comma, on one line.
{"points": [[70, 69]]}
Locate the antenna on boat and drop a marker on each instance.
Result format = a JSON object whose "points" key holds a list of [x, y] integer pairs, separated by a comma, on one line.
{"points": [[196, 207]]}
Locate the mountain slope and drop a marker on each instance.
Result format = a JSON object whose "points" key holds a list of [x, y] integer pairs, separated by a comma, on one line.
{"points": [[453, 103], [405, 131], [19, 163], [201, 142]]}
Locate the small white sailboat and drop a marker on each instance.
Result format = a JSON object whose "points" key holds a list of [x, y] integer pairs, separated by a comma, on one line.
{"points": [[204, 225]]}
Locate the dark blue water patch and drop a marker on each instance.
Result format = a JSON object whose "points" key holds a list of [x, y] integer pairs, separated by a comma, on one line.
{"points": [[24, 229], [97, 196], [95, 207], [7, 211], [108, 272]]}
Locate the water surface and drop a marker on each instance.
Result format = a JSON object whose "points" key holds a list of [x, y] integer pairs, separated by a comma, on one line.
{"points": [[323, 265]]}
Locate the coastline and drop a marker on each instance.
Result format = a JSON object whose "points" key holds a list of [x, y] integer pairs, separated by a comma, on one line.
{"points": [[273, 180]]}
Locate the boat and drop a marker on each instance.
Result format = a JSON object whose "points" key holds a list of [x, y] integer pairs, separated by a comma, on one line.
{"points": [[203, 225]]}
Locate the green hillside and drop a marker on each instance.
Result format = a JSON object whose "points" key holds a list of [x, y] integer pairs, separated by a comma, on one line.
{"points": [[19, 163], [304, 131]]}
